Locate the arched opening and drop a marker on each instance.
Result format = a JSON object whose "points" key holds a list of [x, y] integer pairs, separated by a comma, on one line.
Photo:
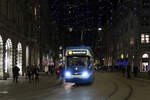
{"points": [[145, 55], [145, 62], [8, 58], [19, 57], [1, 57], [27, 56]]}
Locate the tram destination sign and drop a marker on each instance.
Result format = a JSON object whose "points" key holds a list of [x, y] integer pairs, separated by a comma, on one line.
{"points": [[77, 52]]}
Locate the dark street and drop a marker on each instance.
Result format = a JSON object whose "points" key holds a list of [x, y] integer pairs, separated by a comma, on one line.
{"points": [[107, 86]]}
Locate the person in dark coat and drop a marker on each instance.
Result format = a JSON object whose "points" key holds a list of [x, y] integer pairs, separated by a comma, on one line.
{"points": [[123, 71], [135, 71], [29, 73], [15, 73], [36, 72], [128, 71], [32, 72]]}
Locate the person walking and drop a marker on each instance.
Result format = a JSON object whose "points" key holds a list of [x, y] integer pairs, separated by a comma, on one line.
{"points": [[28, 73], [15, 73], [123, 70], [36, 72], [32, 72], [128, 71], [135, 71], [51, 69], [46, 69]]}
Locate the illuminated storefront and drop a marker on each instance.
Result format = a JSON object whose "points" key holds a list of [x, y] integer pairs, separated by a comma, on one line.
{"points": [[144, 63], [8, 58], [1, 57], [19, 57]]}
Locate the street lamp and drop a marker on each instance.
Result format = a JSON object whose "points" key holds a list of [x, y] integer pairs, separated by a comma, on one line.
{"points": [[99, 29], [99, 37]]}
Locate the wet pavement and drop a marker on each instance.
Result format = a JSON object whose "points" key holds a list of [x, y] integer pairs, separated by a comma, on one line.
{"points": [[107, 86]]}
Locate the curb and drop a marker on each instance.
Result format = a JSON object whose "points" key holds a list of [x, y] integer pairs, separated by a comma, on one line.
{"points": [[141, 79]]}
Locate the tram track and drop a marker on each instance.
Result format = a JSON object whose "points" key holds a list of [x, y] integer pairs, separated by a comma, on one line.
{"points": [[130, 91], [116, 89]]}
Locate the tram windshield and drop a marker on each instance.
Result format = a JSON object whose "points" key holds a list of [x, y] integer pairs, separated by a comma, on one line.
{"points": [[77, 61]]}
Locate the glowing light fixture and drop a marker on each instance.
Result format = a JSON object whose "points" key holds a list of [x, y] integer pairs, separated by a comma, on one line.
{"points": [[85, 74], [99, 29], [68, 74], [70, 52]]}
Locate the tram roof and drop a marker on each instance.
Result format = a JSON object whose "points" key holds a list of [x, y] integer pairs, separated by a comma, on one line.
{"points": [[78, 47]]}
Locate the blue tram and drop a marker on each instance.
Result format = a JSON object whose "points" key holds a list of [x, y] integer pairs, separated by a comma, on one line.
{"points": [[79, 67]]}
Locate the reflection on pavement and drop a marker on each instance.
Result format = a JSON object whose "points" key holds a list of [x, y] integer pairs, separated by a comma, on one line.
{"points": [[3, 92], [68, 86]]}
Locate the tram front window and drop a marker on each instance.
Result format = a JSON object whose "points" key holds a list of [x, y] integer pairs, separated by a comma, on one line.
{"points": [[77, 61]]}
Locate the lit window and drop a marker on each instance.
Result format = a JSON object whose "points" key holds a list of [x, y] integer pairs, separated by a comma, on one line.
{"points": [[144, 38], [147, 38], [142, 35]]}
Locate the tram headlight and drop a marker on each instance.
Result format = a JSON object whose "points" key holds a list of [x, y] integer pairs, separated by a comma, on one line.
{"points": [[68, 74], [85, 74]]}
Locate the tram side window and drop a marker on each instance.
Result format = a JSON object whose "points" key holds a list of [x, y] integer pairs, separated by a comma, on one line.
{"points": [[90, 63]]}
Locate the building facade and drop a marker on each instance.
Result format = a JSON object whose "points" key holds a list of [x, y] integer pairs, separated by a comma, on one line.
{"points": [[19, 37], [131, 40]]}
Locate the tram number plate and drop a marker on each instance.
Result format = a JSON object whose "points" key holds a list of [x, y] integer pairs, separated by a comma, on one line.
{"points": [[76, 76]]}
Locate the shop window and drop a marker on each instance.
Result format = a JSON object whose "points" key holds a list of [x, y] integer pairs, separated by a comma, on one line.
{"points": [[8, 58], [19, 57], [145, 66], [145, 63]]}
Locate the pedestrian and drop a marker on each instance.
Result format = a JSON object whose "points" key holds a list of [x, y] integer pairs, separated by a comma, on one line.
{"points": [[61, 67], [128, 71], [57, 72], [135, 70], [15, 73], [123, 71], [28, 71], [32, 71], [46, 69], [51, 68], [36, 72]]}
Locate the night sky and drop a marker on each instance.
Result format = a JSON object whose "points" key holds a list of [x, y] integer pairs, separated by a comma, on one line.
{"points": [[82, 16]]}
